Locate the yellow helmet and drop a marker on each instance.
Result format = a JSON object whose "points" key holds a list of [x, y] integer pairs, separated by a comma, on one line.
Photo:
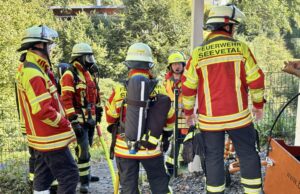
{"points": [[139, 56], [36, 34], [225, 14], [176, 57]]}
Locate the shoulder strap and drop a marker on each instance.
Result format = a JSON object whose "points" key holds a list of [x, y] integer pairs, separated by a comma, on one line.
{"points": [[75, 74], [154, 82], [217, 39]]}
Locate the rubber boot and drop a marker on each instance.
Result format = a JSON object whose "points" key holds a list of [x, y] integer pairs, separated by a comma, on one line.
{"points": [[94, 178], [84, 188], [53, 189]]}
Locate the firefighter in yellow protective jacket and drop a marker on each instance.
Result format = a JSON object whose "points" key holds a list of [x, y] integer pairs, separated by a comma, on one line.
{"points": [[176, 64], [221, 72], [48, 131], [139, 61], [80, 95]]}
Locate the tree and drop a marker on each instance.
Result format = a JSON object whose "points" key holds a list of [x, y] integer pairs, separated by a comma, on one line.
{"points": [[269, 17]]}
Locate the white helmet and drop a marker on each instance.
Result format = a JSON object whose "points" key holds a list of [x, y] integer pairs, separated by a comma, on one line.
{"points": [[225, 14], [81, 49], [139, 56], [37, 34], [139, 52]]}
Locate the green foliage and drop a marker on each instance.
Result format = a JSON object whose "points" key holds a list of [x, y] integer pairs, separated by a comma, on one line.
{"points": [[163, 27], [271, 29], [270, 52], [13, 178], [106, 86], [82, 29], [270, 17]]}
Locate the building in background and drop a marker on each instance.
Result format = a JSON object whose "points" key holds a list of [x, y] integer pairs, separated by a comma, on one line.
{"points": [[67, 12]]}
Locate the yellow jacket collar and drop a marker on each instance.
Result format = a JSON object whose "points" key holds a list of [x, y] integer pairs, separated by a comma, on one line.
{"points": [[38, 60], [217, 33]]}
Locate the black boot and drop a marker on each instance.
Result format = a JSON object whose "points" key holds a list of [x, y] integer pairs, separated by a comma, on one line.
{"points": [[94, 178], [53, 189], [84, 188]]}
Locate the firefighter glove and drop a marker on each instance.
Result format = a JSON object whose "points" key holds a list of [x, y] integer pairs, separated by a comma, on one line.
{"points": [[77, 128], [188, 152], [99, 112]]}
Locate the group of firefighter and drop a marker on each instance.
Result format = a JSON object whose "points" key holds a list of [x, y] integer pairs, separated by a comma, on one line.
{"points": [[217, 77]]}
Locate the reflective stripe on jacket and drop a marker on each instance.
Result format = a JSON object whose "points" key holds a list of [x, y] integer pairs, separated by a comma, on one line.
{"points": [[113, 110], [222, 72], [45, 122]]}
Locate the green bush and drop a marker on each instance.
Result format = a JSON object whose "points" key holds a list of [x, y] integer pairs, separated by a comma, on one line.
{"points": [[13, 179]]}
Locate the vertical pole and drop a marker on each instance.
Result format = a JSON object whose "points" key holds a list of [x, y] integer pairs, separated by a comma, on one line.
{"points": [[197, 39], [297, 131], [176, 146], [197, 23]]}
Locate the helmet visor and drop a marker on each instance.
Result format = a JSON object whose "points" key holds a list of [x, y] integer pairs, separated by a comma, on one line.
{"points": [[48, 33], [90, 59]]}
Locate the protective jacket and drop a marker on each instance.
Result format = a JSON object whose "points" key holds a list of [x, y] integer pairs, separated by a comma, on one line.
{"points": [[46, 126], [113, 111], [77, 91], [225, 69], [170, 84]]}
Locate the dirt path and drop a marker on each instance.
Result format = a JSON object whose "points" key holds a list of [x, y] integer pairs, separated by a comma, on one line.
{"points": [[187, 183]]}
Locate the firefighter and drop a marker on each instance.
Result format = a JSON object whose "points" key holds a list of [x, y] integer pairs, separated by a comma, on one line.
{"points": [[139, 62], [176, 64], [47, 130], [31, 160], [79, 93], [222, 71]]}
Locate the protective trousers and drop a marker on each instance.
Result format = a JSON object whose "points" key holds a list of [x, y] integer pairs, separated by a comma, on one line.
{"points": [[53, 188], [244, 140], [31, 163], [83, 154], [58, 164], [156, 174]]}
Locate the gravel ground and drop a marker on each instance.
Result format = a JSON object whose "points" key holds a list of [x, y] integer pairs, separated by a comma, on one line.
{"points": [[186, 183]]}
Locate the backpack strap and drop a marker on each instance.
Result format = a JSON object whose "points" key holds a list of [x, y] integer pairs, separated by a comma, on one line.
{"points": [[74, 72]]}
